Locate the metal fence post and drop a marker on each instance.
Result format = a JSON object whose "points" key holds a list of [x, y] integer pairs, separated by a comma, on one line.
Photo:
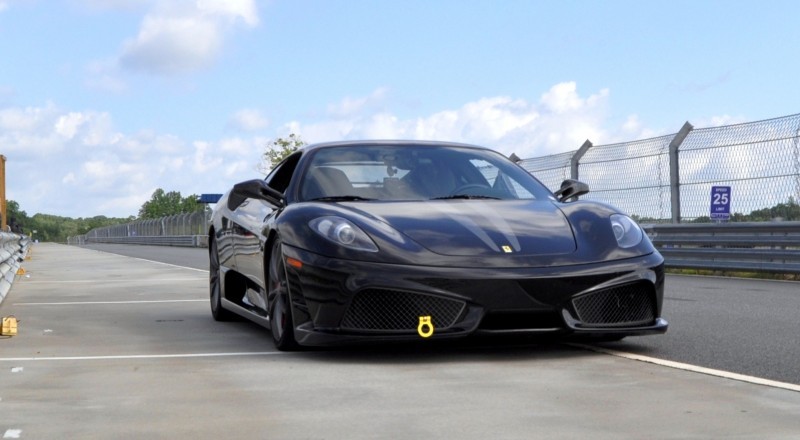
{"points": [[574, 162], [674, 171]]}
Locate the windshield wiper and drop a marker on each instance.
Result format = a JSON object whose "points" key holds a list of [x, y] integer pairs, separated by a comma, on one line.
{"points": [[466, 197], [340, 199]]}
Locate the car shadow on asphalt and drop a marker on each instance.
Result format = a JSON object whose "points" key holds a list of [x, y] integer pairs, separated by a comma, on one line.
{"points": [[445, 351]]}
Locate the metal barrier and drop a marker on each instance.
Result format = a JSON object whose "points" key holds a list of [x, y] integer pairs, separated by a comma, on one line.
{"points": [[758, 247], [175, 230], [155, 240], [13, 248]]}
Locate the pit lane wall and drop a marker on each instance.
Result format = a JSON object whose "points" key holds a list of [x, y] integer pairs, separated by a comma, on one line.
{"points": [[13, 249]]}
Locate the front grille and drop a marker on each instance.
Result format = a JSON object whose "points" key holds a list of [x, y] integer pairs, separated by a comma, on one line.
{"points": [[397, 310], [632, 304]]}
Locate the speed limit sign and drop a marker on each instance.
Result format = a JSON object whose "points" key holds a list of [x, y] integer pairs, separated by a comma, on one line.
{"points": [[721, 203]]}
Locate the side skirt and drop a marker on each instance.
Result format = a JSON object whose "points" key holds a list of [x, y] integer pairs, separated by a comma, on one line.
{"points": [[244, 313]]}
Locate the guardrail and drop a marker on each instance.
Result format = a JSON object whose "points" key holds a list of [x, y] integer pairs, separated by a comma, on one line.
{"points": [[175, 230], [758, 247], [154, 240], [13, 248]]}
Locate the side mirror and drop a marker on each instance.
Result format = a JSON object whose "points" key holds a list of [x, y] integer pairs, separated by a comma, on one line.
{"points": [[571, 188], [253, 189]]}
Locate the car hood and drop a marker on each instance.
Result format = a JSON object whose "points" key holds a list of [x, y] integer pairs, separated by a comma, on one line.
{"points": [[480, 227]]}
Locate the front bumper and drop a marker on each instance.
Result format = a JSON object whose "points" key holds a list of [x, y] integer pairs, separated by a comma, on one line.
{"points": [[338, 301]]}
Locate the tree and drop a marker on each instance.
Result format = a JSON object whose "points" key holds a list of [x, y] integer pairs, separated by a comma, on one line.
{"points": [[57, 229], [16, 215], [279, 149], [789, 211], [163, 204]]}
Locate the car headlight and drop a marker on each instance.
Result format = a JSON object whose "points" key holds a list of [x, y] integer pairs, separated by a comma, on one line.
{"points": [[626, 231], [343, 232]]}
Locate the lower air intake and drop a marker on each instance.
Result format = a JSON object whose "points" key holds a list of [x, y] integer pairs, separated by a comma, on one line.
{"points": [[397, 310], [632, 304]]}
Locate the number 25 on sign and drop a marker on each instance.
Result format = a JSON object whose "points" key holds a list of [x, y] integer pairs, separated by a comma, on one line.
{"points": [[720, 202]]}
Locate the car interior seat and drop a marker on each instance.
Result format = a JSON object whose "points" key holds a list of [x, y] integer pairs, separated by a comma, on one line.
{"points": [[430, 181], [326, 182]]}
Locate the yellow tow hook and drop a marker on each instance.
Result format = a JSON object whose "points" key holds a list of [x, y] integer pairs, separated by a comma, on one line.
{"points": [[9, 327], [425, 328]]}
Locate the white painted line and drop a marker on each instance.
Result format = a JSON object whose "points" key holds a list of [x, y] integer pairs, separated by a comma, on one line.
{"points": [[141, 356], [170, 265], [12, 433], [82, 303], [116, 280], [692, 368]]}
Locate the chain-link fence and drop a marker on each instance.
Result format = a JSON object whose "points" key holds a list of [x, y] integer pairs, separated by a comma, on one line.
{"points": [[669, 178], [192, 224], [760, 161]]}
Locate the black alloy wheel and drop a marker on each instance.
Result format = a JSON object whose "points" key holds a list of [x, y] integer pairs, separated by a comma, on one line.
{"points": [[280, 316], [214, 285]]}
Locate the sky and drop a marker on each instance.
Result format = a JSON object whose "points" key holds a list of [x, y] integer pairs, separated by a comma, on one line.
{"points": [[104, 101]]}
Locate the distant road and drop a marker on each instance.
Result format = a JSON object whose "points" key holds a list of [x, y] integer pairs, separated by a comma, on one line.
{"points": [[196, 258], [742, 326]]}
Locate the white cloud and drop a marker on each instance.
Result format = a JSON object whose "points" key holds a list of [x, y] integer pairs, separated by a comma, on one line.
{"points": [[231, 9], [633, 128], [183, 36], [249, 120], [561, 121], [24, 119], [720, 120], [172, 45], [104, 75], [67, 125], [204, 160], [28, 132], [349, 106], [75, 163]]}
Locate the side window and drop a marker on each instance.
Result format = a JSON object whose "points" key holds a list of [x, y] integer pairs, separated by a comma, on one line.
{"points": [[281, 175]]}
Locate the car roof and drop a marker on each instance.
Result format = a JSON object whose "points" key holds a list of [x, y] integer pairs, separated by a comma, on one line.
{"points": [[392, 143]]}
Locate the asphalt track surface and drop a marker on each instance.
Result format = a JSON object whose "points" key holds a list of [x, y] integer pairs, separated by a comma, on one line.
{"points": [[741, 326], [117, 347]]}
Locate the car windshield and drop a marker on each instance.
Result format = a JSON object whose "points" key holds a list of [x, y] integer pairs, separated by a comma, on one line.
{"points": [[411, 172]]}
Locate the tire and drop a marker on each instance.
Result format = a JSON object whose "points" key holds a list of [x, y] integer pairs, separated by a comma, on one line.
{"points": [[215, 285], [280, 316]]}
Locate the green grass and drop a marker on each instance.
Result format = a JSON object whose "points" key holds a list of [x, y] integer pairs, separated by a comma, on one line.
{"points": [[736, 274]]}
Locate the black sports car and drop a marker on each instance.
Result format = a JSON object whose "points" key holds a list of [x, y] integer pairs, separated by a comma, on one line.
{"points": [[388, 240]]}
